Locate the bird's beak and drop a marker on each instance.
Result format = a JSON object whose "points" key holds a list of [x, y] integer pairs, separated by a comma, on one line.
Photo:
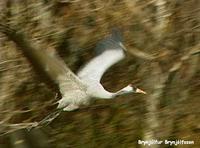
{"points": [[140, 91]]}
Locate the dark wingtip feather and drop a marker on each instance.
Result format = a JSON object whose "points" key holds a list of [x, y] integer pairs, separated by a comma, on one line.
{"points": [[116, 34], [110, 42]]}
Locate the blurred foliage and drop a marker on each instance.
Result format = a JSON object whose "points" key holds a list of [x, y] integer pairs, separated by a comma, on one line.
{"points": [[168, 30]]}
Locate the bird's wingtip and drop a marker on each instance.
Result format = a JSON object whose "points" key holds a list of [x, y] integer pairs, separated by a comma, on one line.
{"points": [[117, 34]]}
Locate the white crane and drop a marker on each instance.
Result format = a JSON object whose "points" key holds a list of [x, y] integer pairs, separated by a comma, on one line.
{"points": [[109, 51]]}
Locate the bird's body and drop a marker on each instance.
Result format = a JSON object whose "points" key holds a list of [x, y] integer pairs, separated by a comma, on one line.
{"points": [[109, 51]]}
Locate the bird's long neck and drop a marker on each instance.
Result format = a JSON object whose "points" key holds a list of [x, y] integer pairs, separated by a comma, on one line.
{"points": [[123, 91], [110, 95]]}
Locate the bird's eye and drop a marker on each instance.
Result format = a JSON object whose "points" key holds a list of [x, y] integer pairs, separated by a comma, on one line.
{"points": [[134, 88]]}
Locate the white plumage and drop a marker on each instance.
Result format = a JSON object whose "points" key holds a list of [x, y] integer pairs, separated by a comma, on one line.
{"points": [[94, 70]]}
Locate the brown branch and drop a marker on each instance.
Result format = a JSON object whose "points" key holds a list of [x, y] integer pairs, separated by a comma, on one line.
{"points": [[178, 65], [162, 17], [152, 117], [141, 54]]}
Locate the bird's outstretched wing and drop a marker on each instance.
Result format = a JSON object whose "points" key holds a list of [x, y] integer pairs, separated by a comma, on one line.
{"points": [[51, 65], [109, 51]]}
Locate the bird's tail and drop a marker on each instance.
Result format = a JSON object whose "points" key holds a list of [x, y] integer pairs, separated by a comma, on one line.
{"points": [[47, 120]]}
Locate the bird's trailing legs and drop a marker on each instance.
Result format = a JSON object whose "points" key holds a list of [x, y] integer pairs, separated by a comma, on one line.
{"points": [[71, 107]]}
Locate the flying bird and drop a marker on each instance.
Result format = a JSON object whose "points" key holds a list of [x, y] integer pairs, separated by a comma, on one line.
{"points": [[108, 52], [76, 89]]}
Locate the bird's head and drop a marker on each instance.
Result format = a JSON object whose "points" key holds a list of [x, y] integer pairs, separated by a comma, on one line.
{"points": [[132, 89], [137, 90]]}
